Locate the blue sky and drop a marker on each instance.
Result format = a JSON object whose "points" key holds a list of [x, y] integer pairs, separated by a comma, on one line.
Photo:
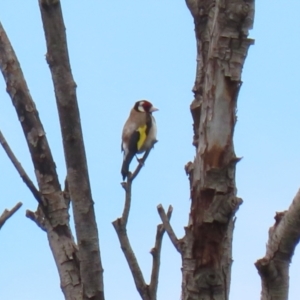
{"points": [[123, 51]]}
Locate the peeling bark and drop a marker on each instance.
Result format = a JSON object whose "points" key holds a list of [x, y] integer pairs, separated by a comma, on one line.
{"points": [[221, 29], [284, 236], [54, 213]]}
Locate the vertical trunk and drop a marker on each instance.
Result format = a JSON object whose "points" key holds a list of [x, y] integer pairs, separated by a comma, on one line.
{"points": [[91, 270], [221, 32]]}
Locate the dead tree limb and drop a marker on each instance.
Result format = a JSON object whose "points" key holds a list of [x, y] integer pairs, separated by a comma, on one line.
{"points": [[155, 251], [168, 227], [58, 230], [8, 213], [221, 29], [91, 270], [273, 268], [20, 169], [147, 292]]}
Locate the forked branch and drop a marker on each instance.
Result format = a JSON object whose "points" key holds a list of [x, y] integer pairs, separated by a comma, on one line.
{"points": [[166, 223], [155, 251], [147, 292], [59, 235]]}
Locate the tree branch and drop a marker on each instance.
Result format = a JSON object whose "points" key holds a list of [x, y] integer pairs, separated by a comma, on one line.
{"points": [[141, 162], [156, 255], [168, 227], [8, 213], [133, 264], [146, 292], [284, 236], [20, 169], [28, 116], [91, 270], [58, 232], [127, 185]]}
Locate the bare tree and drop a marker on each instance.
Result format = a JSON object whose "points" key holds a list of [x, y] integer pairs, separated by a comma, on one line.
{"points": [[221, 29]]}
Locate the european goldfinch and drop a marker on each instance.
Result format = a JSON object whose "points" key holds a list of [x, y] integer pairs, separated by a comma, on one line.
{"points": [[139, 132]]}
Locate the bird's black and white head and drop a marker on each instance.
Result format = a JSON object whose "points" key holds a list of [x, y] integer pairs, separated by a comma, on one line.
{"points": [[144, 106]]}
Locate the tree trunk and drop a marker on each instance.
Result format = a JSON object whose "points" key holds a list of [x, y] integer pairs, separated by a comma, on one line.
{"points": [[221, 33]]}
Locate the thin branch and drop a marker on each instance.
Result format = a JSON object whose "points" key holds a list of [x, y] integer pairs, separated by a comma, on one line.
{"points": [[141, 163], [8, 213], [120, 226], [284, 236], [127, 185], [135, 269], [156, 255], [20, 169], [168, 227]]}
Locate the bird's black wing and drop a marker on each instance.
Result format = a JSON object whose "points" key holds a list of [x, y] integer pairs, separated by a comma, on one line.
{"points": [[133, 142], [132, 150], [148, 123]]}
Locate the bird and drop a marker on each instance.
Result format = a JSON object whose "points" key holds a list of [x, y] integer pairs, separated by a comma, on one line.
{"points": [[139, 133]]}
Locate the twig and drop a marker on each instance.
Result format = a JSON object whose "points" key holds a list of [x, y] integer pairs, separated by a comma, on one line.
{"points": [[141, 163], [156, 255], [37, 219], [127, 185], [168, 227], [8, 213], [20, 169]]}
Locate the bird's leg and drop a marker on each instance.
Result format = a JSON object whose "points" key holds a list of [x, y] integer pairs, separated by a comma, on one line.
{"points": [[140, 160]]}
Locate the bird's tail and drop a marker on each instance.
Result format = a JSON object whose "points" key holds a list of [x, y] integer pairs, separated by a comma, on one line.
{"points": [[126, 162]]}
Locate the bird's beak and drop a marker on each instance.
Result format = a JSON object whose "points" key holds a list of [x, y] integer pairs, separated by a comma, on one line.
{"points": [[152, 109]]}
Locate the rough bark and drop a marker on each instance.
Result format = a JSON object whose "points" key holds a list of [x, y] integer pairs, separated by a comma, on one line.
{"points": [[221, 29], [56, 217], [91, 270], [284, 236]]}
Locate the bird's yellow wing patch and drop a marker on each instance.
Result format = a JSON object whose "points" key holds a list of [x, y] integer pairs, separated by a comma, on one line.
{"points": [[142, 138]]}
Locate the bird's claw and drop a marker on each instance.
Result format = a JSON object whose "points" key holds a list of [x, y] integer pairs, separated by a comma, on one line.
{"points": [[140, 161]]}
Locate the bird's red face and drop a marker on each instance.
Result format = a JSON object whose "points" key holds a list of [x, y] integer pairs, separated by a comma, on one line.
{"points": [[144, 106]]}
